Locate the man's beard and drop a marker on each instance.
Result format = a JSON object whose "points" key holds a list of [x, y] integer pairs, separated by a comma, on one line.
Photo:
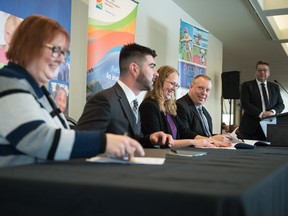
{"points": [[144, 82]]}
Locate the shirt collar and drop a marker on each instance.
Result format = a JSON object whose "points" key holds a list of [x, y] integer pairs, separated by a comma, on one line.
{"points": [[198, 106], [258, 82], [128, 92]]}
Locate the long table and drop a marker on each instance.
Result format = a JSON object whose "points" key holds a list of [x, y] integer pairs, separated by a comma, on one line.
{"points": [[243, 182]]}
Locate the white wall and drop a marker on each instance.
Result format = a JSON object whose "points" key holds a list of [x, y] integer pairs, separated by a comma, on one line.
{"points": [[78, 48], [285, 98], [157, 27]]}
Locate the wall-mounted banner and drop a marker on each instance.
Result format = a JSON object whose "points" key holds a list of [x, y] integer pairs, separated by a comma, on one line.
{"points": [[193, 48], [12, 12], [188, 72], [111, 24]]}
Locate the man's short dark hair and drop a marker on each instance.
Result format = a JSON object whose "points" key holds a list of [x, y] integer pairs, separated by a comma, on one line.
{"points": [[133, 52], [262, 63]]}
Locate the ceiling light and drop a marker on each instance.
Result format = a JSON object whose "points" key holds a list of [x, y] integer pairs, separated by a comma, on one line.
{"points": [[274, 17]]}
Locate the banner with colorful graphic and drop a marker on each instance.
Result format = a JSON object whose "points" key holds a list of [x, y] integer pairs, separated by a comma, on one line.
{"points": [[12, 12], [193, 48], [187, 73], [111, 24]]}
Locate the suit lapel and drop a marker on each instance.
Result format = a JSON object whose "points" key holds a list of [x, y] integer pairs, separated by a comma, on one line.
{"points": [[126, 108], [196, 113], [192, 106], [256, 93], [270, 93]]}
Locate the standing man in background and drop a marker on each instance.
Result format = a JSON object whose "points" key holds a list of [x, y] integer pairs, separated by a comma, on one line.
{"points": [[259, 99]]}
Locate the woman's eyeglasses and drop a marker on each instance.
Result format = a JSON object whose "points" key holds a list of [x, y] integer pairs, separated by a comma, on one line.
{"points": [[57, 51], [174, 84]]}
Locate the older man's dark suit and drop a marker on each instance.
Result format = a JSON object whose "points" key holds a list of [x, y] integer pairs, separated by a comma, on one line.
{"points": [[189, 115], [252, 106], [110, 112]]}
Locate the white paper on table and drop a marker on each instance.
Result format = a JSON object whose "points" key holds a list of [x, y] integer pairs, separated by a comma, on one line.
{"points": [[228, 147], [235, 140], [234, 137], [134, 160]]}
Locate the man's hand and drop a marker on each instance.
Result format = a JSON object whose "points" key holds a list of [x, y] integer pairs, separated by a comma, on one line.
{"points": [[161, 138], [219, 143], [267, 113], [221, 137]]}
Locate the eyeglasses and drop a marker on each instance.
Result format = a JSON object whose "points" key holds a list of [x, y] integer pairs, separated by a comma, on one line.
{"points": [[57, 51], [201, 88], [174, 84], [262, 69]]}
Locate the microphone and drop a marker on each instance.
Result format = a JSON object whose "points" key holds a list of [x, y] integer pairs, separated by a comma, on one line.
{"points": [[281, 86]]}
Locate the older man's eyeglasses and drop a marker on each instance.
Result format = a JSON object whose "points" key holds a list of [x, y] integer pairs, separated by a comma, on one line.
{"points": [[57, 51], [262, 69], [174, 84]]}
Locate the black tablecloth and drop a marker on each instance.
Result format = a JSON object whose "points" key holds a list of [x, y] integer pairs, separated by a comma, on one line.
{"points": [[250, 182]]}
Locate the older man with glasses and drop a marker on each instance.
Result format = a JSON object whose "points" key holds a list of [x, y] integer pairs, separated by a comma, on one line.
{"points": [[259, 98], [191, 110]]}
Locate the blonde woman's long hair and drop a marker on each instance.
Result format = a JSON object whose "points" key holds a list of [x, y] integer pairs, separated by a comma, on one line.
{"points": [[166, 106]]}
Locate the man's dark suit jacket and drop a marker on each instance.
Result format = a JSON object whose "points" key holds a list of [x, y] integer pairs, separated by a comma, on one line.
{"points": [[153, 120], [252, 105], [189, 115], [110, 112]]}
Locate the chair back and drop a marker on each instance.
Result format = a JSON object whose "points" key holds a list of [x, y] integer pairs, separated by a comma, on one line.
{"points": [[72, 122]]}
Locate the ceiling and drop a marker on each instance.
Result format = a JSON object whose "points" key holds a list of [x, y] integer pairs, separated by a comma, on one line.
{"points": [[245, 40]]}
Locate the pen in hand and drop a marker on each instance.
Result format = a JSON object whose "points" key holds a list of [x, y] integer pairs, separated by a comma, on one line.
{"points": [[126, 156]]}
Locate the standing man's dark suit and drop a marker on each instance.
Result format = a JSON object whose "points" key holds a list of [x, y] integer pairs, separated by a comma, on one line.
{"points": [[189, 115], [252, 105]]}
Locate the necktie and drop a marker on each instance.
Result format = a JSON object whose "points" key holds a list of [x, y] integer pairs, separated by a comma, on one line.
{"points": [[204, 121], [135, 108], [264, 93]]}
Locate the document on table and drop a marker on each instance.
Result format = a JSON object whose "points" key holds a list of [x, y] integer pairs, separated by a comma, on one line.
{"points": [[133, 160], [234, 137], [235, 140], [229, 147], [152, 157]]}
